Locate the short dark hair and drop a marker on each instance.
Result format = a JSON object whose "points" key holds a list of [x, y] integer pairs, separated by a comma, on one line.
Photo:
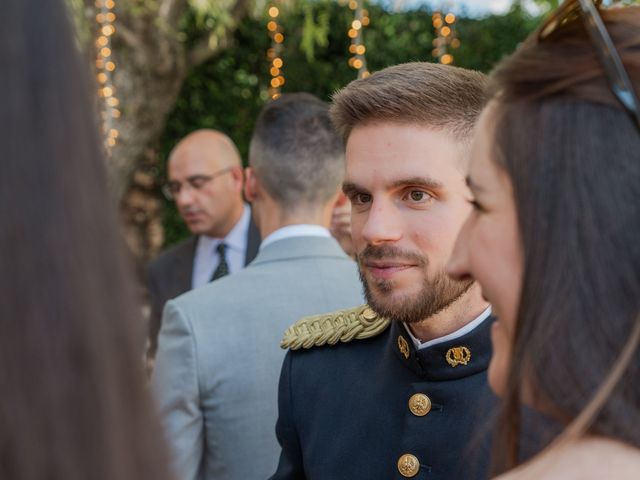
{"points": [[296, 152], [420, 93], [571, 153]]}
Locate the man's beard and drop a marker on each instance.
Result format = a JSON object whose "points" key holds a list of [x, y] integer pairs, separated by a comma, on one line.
{"points": [[436, 293]]}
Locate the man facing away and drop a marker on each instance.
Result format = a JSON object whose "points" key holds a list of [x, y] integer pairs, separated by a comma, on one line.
{"points": [[205, 180], [394, 389], [218, 361]]}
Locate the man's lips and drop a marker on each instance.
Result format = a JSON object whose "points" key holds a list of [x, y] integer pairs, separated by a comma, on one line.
{"points": [[386, 269], [191, 216]]}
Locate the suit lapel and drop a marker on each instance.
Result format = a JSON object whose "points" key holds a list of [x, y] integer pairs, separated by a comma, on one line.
{"points": [[182, 271]]}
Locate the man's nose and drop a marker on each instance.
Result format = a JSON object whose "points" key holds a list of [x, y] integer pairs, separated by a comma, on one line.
{"points": [[185, 196], [383, 225]]}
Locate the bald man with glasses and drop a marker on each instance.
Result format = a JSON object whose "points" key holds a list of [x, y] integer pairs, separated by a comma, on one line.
{"points": [[205, 180]]}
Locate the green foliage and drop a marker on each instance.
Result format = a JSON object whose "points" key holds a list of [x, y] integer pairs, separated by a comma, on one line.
{"points": [[228, 92], [484, 41], [314, 33]]}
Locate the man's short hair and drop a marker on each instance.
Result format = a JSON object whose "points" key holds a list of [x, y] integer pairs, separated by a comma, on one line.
{"points": [[417, 93], [296, 152]]}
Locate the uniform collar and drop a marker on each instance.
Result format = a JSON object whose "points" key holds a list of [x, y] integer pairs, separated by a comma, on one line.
{"points": [[458, 333], [448, 360]]}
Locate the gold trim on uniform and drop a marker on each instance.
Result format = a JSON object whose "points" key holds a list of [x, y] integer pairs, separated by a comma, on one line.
{"points": [[408, 465], [458, 356], [332, 328], [369, 314], [403, 346], [419, 404]]}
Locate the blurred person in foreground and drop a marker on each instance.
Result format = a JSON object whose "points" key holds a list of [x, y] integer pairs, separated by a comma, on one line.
{"points": [[205, 180], [360, 387], [218, 359], [554, 241], [74, 404]]}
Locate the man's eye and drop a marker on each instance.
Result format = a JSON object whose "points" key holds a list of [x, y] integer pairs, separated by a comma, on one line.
{"points": [[198, 182], [361, 198], [419, 196], [174, 187]]}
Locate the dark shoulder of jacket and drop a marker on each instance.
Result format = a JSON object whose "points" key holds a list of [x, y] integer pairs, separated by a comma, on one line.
{"points": [[184, 248]]}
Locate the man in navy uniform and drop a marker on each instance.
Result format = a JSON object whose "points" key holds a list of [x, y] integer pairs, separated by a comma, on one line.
{"points": [[396, 388]]}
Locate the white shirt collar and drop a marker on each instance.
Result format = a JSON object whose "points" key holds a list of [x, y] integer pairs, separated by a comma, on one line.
{"points": [[206, 258], [453, 335], [302, 230], [236, 239]]}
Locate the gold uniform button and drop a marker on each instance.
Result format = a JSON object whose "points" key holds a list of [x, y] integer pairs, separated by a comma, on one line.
{"points": [[408, 465], [419, 404]]}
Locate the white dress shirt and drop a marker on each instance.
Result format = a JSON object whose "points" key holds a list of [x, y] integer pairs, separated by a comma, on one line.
{"points": [[206, 259], [302, 230], [453, 335]]}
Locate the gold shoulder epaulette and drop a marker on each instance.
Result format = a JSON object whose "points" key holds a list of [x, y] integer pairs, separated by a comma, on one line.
{"points": [[330, 328]]}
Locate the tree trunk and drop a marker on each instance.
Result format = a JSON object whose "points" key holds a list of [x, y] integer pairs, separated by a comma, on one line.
{"points": [[151, 66]]}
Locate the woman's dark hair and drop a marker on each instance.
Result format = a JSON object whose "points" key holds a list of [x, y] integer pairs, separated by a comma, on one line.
{"points": [[74, 404], [573, 156]]}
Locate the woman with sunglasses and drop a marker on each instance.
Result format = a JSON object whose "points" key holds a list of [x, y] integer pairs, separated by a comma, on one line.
{"points": [[554, 241]]}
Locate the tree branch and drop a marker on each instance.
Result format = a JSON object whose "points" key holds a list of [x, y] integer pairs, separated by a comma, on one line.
{"points": [[129, 37], [171, 11], [239, 10], [204, 50]]}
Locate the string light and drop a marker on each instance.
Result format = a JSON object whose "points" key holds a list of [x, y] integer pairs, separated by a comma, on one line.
{"points": [[360, 20], [274, 54], [106, 68], [446, 39]]}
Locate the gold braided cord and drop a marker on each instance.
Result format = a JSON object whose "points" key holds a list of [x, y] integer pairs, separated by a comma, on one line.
{"points": [[329, 329]]}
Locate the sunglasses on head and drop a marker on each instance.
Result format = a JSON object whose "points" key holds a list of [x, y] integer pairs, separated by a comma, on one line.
{"points": [[618, 78]]}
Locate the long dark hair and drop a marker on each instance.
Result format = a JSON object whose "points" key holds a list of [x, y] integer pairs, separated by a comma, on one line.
{"points": [[573, 156], [74, 404]]}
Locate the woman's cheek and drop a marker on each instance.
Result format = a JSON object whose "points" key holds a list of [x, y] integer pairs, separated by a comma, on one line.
{"points": [[499, 366]]}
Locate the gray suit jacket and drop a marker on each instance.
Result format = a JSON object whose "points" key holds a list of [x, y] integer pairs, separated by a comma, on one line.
{"points": [[169, 275], [218, 362]]}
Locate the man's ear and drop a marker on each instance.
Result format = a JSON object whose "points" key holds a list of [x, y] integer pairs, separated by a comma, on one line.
{"points": [[250, 185], [238, 178]]}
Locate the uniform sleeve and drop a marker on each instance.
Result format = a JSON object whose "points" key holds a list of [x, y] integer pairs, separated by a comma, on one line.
{"points": [[290, 466], [175, 383]]}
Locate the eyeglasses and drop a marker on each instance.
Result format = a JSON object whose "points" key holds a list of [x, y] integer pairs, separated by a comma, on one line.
{"points": [[196, 182], [617, 76]]}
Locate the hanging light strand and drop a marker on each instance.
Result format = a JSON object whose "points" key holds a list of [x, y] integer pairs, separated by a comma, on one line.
{"points": [[357, 48], [106, 67], [274, 54], [446, 39]]}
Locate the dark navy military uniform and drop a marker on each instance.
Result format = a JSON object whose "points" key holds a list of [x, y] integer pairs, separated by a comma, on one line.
{"points": [[380, 409]]}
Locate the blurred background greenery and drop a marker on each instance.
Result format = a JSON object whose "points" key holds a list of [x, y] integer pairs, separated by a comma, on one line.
{"points": [[227, 92]]}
